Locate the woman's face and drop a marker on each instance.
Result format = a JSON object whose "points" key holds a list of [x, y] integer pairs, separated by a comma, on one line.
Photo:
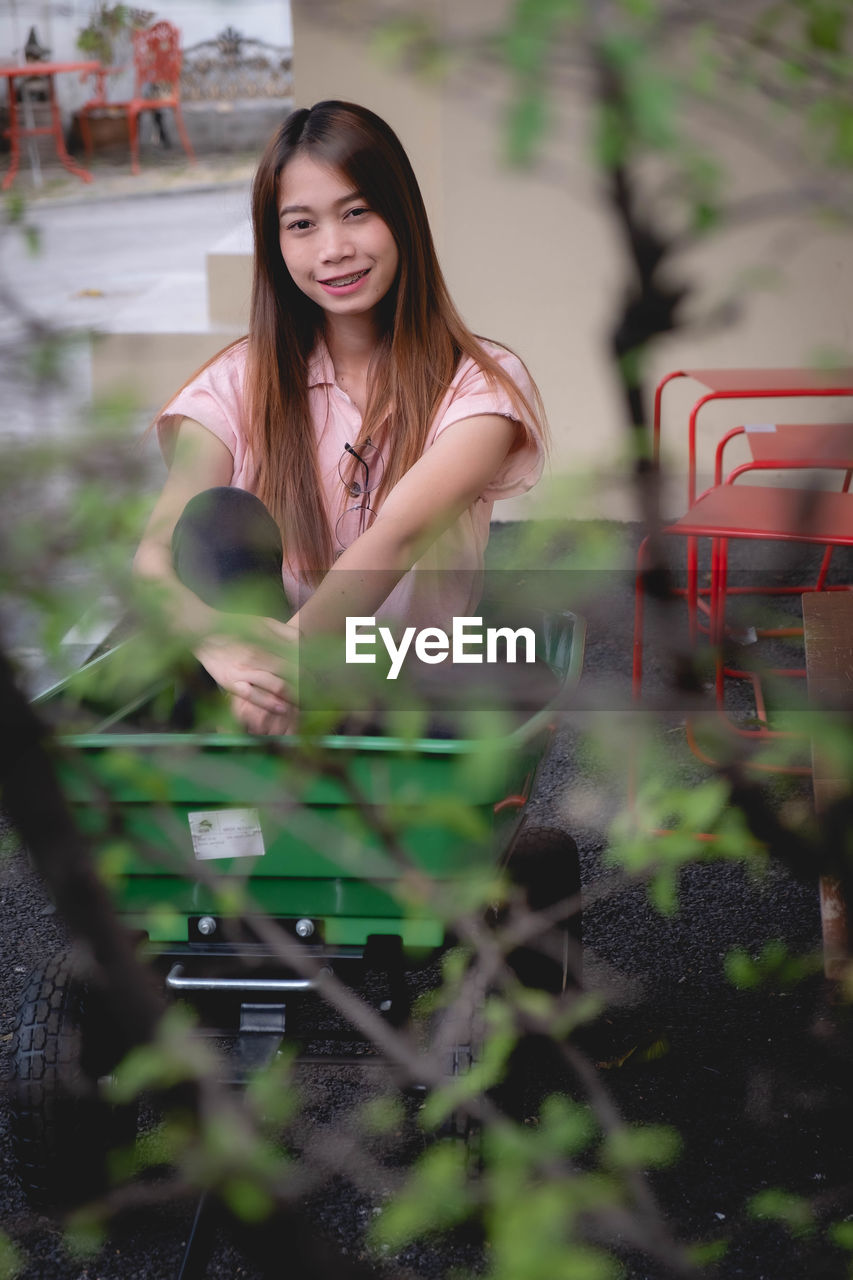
{"points": [[338, 251]]}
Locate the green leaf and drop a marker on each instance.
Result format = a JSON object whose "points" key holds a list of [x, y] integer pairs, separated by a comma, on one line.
{"points": [[528, 40], [531, 1236], [826, 25], [663, 891], [12, 1261], [701, 806], [471, 1083], [832, 120], [773, 966], [706, 1253], [841, 1233], [569, 1262], [705, 217], [394, 39], [650, 1146], [454, 965], [175, 1055], [435, 1197], [706, 59], [652, 104], [794, 1211], [414, 40], [16, 207], [162, 1145], [526, 124], [247, 1199], [741, 970], [271, 1092], [795, 72], [525, 51], [382, 1115], [645, 10], [85, 1234], [567, 1127]]}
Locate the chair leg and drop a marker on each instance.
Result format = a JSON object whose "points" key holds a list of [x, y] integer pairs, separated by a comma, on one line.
{"points": [[693, 589], [827, 555], [719, 579], [639, 599], [182, 133], [133, 128]]}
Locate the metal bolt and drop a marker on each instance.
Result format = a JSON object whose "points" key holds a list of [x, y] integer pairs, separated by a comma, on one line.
{"points": [[304, 928], [207, 925]]}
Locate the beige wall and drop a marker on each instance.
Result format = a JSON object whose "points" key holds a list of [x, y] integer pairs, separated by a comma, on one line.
{"points": [[533, 260]]}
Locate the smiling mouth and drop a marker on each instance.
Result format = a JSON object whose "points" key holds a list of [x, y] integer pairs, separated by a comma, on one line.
{"points": [[339, 281]]}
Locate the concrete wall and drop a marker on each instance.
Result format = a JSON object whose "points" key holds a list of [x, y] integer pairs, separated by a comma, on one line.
{"points": [[534, 260]]}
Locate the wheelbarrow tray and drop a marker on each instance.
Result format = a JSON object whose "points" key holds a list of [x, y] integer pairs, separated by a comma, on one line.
{"points": [[351, 833]]}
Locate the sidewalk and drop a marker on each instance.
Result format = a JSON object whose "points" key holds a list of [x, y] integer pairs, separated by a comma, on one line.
{"points": [[101, 249], [162, 173]]}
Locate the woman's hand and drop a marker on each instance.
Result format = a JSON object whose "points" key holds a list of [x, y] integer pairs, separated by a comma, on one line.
{"points": [[269, 723], [259, 673]]}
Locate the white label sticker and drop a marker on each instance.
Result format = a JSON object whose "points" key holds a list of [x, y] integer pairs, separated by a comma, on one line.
{"points": [[227, 833], [755, 428]]}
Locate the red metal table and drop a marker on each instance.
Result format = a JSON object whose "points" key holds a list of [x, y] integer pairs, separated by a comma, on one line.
{"points": [[18, 130]]}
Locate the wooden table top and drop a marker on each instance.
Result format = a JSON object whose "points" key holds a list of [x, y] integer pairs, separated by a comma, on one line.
{"points": [[828, 634]]}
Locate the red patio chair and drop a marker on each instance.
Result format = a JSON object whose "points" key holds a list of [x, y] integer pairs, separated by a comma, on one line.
{"points": [[157, 61]]}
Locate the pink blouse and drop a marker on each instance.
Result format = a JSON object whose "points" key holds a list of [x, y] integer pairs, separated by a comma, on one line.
{"points": [[447, 580]]}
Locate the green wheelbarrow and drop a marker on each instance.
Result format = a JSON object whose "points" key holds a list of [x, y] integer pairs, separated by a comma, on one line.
{"points": [[248, 867]]}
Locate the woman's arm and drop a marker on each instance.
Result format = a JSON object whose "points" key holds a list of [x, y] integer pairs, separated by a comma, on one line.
{"points": [[201, 461], [251, 673], [427, 500]]}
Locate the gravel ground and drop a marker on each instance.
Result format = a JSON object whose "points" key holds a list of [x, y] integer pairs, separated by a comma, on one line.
{"points": [[757, 1083]]}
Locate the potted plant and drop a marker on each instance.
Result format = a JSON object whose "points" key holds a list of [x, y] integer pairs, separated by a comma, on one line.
{"points": [[106, 38]]}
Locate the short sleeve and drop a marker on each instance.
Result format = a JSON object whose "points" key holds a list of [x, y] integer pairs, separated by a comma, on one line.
{"points": [[474, 394], [214, 398]]}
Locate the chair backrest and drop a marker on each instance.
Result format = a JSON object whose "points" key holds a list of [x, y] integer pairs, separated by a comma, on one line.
{"points": [[157, 59]]}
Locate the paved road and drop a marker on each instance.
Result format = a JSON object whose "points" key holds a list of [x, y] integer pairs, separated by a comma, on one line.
{"points": [[95, 258]]}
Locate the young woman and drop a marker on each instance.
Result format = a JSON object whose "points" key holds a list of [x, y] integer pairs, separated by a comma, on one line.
{"points": [[372, 425]]}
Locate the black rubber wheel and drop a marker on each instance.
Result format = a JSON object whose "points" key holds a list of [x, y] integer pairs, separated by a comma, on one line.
{"points": [[544, 863], [62, 1128]]}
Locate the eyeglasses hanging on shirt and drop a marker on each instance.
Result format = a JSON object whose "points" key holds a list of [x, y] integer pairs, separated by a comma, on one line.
{"points": [[359, 484]]}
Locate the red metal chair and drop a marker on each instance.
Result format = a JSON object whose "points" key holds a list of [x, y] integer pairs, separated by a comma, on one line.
{"points": [[729, 511], [157, 61], [800, 445], [758, 513]]}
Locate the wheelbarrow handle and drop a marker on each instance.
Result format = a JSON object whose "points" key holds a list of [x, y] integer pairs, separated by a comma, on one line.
{"points": [[176, 980]]}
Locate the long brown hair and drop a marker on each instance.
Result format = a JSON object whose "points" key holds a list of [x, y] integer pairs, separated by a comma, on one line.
{"points": [[423, 339]]}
